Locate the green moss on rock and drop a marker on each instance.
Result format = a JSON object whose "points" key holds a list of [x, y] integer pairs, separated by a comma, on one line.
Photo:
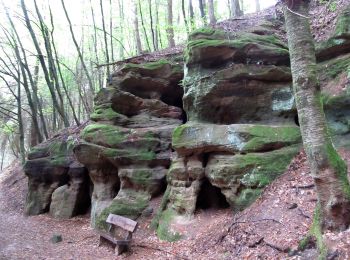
{"points": [[271, 136], [246, 198], [343, 23], [163, 230], [129, 204], [103, 113], [335, 67], [269, 43]]}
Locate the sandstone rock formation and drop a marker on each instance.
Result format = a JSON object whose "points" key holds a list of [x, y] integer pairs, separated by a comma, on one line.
{"points": [[127, 148], [239, 132], [56, 181]]}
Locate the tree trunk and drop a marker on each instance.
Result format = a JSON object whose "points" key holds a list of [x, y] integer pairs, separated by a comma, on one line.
{"points": [[202, 11], [137, 30], [121, 29], [190, 6], [51, 63], [328, 170], [105, 36], [33, 101], [91, 86], [257, 5], [143, 25], [55, 58], [22, 150], [42, 60], [184, 16], [111, 29], [211, 12], [236, 10], [157, 30], [151, 25], [170, 29]]}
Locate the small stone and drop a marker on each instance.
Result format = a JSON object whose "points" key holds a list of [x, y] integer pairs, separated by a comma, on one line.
{"points": [[147, 212], [293, 206], [56, 239]]}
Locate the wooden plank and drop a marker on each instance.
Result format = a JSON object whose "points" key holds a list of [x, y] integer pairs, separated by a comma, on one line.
{"points": [[114, 240], [125, 223]]}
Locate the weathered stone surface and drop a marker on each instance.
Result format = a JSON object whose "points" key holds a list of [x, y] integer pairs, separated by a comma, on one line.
{"points": [[129, 203], [73, 198], [239, 78], [339, 43], [199, 138], [241, 131], [211, 47], [127, 149], [234, 174], [47, 169]]}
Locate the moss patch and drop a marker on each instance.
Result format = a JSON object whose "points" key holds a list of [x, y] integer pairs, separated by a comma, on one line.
{"points": [[340, 167], [103, 113], [261, 170], [267, 42], [129, 204], [163, 231], [246, 198], [162, 207], [335, 67], [343, 23], [266, 136]]}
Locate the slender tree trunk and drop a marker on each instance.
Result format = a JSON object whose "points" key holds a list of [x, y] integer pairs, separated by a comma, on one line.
{"points": [[111, 28], [328, 170], [192, 21], [211, 12], [184, 16], [22, 150], [100, 83], [51, 63], [36, 98], [91, 86], [257, 5], [55, 58], [137, 30], [170, 29], [202, 11], [157, 30], [236, 10], [42, 60], [3, 149], [33, 101], [143, 25], [151, 24], [121, 33], [105, 36]]}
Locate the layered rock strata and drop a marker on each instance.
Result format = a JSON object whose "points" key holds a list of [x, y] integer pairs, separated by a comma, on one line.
{"points": [[127, 147], [242, 128], [56, 181]]}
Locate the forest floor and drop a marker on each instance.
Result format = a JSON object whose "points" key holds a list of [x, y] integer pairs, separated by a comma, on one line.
{"points": [[270, 228]]}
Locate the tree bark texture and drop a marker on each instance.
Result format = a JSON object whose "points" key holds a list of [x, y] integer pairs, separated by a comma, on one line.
{"points": [[211, 12], [236, 10], [137, 30], [328, 170], [170, 29]]}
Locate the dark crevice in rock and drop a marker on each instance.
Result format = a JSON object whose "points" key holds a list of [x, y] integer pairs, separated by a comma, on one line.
{"points": [[296, 120], [210, 197]]}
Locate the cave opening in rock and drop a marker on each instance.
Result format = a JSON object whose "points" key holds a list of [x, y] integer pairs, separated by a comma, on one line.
{"points": [[210, 197]]}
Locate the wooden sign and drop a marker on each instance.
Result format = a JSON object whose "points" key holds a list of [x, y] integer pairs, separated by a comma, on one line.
{"points": [[123, 222]]}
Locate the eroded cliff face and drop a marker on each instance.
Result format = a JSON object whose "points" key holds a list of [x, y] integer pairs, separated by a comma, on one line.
{"points": [[238, 133]]}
